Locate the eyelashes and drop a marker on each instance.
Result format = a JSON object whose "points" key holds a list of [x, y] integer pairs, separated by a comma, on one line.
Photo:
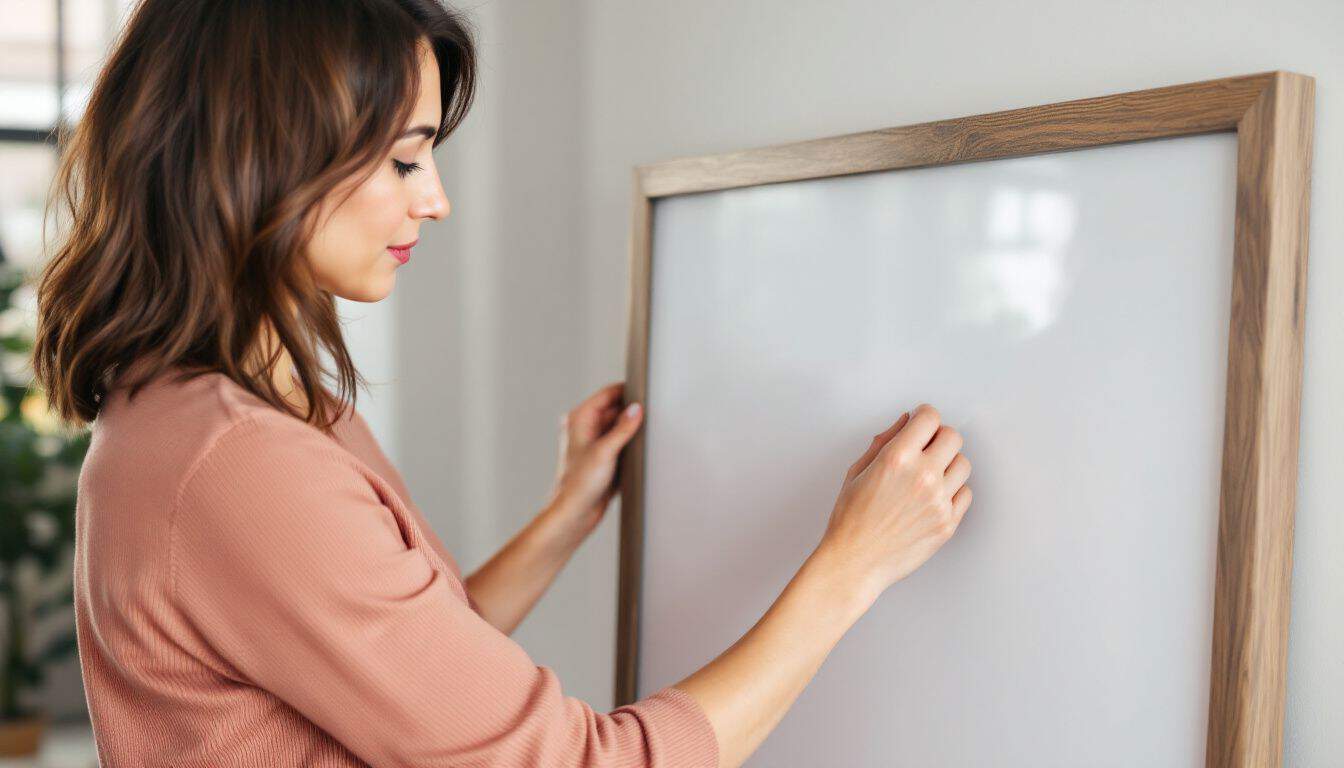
{"points": [[405, 169]]}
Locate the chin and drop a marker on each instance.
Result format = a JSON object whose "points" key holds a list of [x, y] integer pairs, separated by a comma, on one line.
{"points": [[372, 290], [383, 291]]}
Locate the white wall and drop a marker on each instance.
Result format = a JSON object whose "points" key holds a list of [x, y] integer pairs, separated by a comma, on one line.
{"points": [[493, 325], [370, 330], [515, 307]]}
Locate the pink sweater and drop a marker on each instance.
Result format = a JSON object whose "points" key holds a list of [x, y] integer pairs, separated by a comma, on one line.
{"points": [[251, 592]]}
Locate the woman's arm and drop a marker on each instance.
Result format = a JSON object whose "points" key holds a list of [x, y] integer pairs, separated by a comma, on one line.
{"points": [[288, 572], [746, 690], [507, 586], [591, 438], [899, 503]]}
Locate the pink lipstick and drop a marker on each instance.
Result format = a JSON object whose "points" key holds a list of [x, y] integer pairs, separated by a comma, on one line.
{"points": [[402, 253]]}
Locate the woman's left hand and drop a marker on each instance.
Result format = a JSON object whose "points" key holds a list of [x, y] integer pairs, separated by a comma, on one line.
{"points": [[591, 438]]}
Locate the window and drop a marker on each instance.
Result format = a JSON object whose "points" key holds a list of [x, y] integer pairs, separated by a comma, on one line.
{"points": [[50, 53]]}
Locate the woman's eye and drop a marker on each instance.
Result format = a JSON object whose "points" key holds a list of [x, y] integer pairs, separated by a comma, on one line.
{"points": [[403, 169]]}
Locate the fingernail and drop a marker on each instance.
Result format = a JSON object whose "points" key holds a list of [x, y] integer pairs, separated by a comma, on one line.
{"points": [[632, 410]]}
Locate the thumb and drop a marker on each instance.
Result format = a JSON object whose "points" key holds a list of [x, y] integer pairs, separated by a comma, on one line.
{"points": [[879, 442], [625, 427]]}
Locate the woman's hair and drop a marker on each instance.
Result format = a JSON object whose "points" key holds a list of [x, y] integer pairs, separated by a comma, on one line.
{"points": [[193, 178]]}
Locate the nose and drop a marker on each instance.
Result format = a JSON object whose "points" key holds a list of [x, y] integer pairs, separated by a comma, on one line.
{"points": [[433, 203]]}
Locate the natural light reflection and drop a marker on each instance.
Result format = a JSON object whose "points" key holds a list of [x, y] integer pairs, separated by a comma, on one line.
{"points": [[1018, 279]]}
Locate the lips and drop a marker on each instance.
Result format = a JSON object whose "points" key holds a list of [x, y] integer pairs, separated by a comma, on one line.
{"points": [[402, 253]]}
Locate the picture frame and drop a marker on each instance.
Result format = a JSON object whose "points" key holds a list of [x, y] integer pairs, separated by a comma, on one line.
{"points": [[1272, 115]]}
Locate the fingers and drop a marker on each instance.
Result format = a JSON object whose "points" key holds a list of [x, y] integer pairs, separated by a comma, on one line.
{"points": [[607, 416], [875, 446], [608, 395], [946, 442], [961, 500], [598, 409], [958, 472], [901, 421], [924, 421], [627, 424]]}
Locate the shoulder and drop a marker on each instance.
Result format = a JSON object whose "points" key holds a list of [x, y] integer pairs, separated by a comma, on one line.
{"points": [[263, 451], [276, 498], [177, 397], [152, 441]]}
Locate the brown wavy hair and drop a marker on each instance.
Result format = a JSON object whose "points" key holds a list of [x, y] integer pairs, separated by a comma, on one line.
{"points": [[191, 183]]}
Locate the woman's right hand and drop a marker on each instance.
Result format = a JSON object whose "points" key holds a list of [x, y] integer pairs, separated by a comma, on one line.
{"points": [[901, 500]]}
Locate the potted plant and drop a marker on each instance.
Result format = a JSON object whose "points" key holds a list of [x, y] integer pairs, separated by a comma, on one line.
{"points": [[39, 471]]}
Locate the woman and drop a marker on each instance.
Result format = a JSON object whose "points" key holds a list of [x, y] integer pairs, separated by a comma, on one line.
{"points": [[254, 585]]}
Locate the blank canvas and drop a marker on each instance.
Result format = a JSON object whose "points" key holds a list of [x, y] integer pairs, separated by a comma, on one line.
{"points": [[1068, 313]]}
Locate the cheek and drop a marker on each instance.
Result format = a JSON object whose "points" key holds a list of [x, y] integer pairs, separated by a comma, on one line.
{"points": [[354, 238], [380, 209]]}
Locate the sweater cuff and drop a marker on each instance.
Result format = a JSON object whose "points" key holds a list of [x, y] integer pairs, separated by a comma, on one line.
{"points": [[677, 729]]}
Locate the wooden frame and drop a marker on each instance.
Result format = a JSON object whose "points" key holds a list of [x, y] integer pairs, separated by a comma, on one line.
{"points": [[1272, 115]]}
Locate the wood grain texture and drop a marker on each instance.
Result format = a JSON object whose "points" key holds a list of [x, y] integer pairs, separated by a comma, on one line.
{"points": [[1178, 110], [631, 467], [1272, 114], [1260, 443]]}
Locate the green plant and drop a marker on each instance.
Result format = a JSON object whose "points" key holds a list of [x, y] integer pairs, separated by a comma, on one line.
{"points": [[39, 471]]}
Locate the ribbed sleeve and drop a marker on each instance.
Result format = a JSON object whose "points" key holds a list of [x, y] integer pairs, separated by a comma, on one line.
{"points": [[299, 579]]}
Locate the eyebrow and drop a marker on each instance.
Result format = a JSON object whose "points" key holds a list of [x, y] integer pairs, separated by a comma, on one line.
{"points": [[421, 130]]}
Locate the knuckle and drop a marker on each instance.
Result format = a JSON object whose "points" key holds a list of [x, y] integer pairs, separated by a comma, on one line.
{"points": [[960, 465], [893, 458], [926, 478], [946, 515], [950, 512]]}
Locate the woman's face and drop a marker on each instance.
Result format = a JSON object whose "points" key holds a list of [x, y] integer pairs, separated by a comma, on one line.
{"points": [[351, 250]]}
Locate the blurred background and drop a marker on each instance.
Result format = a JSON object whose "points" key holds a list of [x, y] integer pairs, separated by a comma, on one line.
{"points": [[514, 308]]}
